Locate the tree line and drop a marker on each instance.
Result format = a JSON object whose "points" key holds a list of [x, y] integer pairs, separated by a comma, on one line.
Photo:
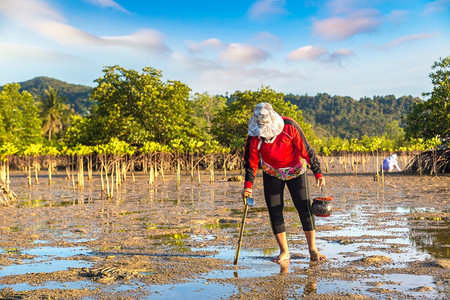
{"points": [[149, 115], [347, 118]]}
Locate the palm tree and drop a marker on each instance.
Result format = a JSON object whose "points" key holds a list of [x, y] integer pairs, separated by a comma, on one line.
{"points": [[55, 114]]}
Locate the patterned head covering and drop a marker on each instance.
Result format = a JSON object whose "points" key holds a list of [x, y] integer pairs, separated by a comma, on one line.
{"points": [[265, 122]]}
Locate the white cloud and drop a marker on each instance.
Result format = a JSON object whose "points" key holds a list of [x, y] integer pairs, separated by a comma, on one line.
{"points": [[397, 15], [30, 53], [144, 39], [107, 3], [38, 17], [338, 56], [341, 28], [437, 6], [28, 11], [406, 39], [262, 8], [313, 53], [192, 64], [307, 53], [267, 41], [242, 54], [212, 43], [233, 79]]}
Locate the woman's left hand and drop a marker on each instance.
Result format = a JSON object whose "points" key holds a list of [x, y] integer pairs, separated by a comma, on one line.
{"points": [[320, 182]]}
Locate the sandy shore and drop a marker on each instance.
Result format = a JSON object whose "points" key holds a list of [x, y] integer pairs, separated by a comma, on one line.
{"points": [[160, 242]]}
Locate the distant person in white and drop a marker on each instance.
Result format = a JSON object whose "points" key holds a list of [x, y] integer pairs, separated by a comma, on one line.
{"points": [[391, 162]]}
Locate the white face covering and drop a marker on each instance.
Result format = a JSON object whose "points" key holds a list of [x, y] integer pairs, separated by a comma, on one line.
{"points": [[265, 122], [268, 140]]}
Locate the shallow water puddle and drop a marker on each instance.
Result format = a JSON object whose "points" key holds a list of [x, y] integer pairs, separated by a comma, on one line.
{"points": [[198, 289], [165, 223], [31, 266], [57, 251], [50, 285], [401, 284], [45, 261]]}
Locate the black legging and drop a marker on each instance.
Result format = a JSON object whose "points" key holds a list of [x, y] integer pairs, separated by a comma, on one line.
{"points": [[273, 192]]}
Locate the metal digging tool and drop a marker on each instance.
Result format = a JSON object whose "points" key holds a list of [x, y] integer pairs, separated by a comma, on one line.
{"points": [[247, 202]]}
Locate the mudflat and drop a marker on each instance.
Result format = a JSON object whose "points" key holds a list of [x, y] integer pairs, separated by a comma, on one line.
{"points": [[383, 241]]}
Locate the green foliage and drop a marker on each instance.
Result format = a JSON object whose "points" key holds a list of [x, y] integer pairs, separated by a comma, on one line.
{"points": [[347, 118], [204, 109], [138, 107], [55, 114], [150, 147], [51, 151], [82, 150], [77, 133], [230, 125], [193, 145], [32, 150], [6, 150], [74, 95], [19, 117], [431, 118], [393, 131]]}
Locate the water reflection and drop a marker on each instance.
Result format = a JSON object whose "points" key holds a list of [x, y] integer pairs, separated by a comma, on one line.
{"points": [[369, 219], [431, 236]]}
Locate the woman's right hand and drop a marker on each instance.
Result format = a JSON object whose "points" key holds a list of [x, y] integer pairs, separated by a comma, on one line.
{"points": [[247, 193]]}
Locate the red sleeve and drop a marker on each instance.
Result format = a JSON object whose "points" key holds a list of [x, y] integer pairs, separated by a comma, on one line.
{"points": [[305, 150], [251, 160]]}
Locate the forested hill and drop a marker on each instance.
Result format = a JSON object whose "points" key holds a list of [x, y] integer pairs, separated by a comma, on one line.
{"points": [[335, 116], [347, 118], [77, 96]]}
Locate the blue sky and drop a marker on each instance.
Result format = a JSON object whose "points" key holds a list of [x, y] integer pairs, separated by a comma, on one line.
{"points": [[340, 47]]}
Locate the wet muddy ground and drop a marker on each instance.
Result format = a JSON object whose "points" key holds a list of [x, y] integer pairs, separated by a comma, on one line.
{"points": [[160, 242]]}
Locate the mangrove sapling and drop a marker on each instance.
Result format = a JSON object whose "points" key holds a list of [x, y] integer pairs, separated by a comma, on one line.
{"points": [[192, 146], [67, 165], [363, 161], [178, 148], [191, 163], [6, 151], [2, 171], [50, 153], [151, 178], [116, 168], [210, 150], [72, 164], [226, 156], [80, 173], [6, 195], [178, 173], [162, 169], [36, 169], [144, 163], [49, 171], [211, 169], [326, 157], [101, 155], [89, 166], [31, 152], [198, 167], [149, 151], [132, 162], [29, 175], [101, 179]]}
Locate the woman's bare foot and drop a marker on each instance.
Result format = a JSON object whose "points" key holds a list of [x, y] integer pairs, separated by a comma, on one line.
{"points": [[316, 256], [284, 266], [282, 257]]}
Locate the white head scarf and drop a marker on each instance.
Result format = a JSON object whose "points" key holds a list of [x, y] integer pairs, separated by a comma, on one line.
{"points": [[265, 122]]}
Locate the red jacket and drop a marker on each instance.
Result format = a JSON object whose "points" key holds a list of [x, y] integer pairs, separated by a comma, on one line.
{"points": [[287, 149]]}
